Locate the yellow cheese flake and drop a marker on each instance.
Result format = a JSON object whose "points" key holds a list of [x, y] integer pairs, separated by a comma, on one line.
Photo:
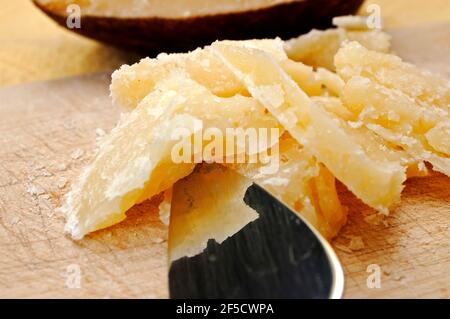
{"points": [[315, 129], [210, 205], [134, 162], [421, 131], [130, 84], [302, 184], [427, 89], [318, 48]]}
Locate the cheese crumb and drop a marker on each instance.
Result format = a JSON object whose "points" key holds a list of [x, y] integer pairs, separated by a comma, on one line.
{"points": [[62, 182], [60, 167], [100, 132], [343, 248], [158, 240], [356, 243], [76, 154], [376, 219], [15, 221], [34, 190]]}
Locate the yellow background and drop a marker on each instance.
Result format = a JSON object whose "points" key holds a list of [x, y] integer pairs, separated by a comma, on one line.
{"points": [[33, 48]]}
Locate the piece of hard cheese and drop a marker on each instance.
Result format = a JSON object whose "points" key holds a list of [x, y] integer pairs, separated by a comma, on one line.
{"points": [[314, 128], [427, 89], [135, 161], [130, 84], [318, 48], [420, 131], [301, 183], [209, 205]]}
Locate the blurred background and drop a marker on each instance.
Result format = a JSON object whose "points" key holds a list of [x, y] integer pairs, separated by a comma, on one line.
{"points": [[33, 47]]}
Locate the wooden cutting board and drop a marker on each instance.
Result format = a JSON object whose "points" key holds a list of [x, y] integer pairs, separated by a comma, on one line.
{"points": [[48, 131]]}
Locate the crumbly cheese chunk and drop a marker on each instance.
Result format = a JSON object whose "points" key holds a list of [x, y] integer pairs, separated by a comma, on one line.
{"points": [[427, 89], [331, 81], [130, 84], [420, 130], [318, 48], [210, 205], [314, 128], [134, 162], [374, 145], [439, 137], [301, 183]]}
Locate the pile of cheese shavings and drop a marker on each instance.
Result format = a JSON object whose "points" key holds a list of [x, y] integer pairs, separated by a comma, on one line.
{"points": [[348, 110]]}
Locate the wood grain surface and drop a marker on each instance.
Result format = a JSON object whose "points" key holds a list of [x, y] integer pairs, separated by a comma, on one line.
{"points": [[47, 134], [411, 247]]}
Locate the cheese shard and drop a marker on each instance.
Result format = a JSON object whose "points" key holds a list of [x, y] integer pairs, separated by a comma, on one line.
{"points": [[210, 201], [318, 48], [439, 137], [130, 84], [210, 205], [304, 76], [314, 128], [165, 206], [378, 147], [301, 183], [425, 88], [135, 161], [331, 81], [414, 148], [421, 131]]}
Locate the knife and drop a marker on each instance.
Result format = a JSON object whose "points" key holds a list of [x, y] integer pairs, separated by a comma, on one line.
{"points": [[274, 254]]}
